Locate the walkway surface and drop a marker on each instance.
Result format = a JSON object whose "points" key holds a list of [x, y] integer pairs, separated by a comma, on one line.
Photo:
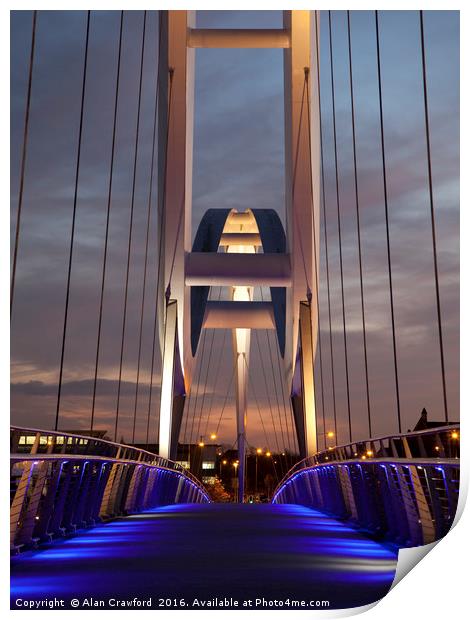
{"points": [[206, 552]]}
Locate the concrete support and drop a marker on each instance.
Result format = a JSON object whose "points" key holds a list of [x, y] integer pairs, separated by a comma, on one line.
{"points": [[19, 500], [241, 339], [177, 73], [241, 404], [425, 515], [245, 314], [168, 380], [234, 238], [302, 161], [133, 488], [212, 269], [238, 38], [241, 267], [307, 359]]}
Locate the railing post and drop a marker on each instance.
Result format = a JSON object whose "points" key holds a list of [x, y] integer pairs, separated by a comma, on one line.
{"points": [[109, 495], [56, 521], [149, 488], [347, 491], [425, 515], [20, 500], [409, 502], [29, 513], [133, 488], [48, 504]]}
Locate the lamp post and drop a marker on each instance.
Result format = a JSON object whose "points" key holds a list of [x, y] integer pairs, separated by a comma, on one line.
{"points": [[258, 452], [327, 435], [224, 462], [235, 467], [454, 451]]}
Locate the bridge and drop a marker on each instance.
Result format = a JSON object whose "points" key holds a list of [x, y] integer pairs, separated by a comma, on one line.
{"points": [[101, 519]]}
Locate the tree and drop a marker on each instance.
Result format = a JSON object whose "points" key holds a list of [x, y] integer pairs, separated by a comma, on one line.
{"points": [[217, 491]]}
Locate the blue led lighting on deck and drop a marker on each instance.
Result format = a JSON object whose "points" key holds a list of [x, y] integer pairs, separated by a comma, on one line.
{"points": [[207, 550]]}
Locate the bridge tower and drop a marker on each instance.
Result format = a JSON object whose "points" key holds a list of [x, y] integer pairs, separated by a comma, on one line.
{"points": [[288, 262]]}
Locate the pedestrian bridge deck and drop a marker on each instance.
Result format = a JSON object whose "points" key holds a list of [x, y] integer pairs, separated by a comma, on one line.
{"points": [[239, 551]]}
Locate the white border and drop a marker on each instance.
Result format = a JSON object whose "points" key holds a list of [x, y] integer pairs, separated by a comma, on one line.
{"points": [[438, 587]]}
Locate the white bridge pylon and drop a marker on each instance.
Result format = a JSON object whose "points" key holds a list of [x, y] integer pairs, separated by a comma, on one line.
{"points": [[257, 251]]}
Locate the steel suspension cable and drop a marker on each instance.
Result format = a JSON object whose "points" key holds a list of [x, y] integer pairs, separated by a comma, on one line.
{"points": [[224, 405], [201, 412], [200, 360], [161, 244], [340, 244], [186, 408], [322, 393], [175, 246], [389, 258], [283, 448], [191, 391], [267, 390], [275, 386], [131, 223], [260, 416], [225, 400], [74, 213], [108, 212], [149, 212], [206, 428], [219, 364], [294, 179], [433, 219], [287, 406], [326, 238], [23, 160], [207, 375], [358, 221], [257, 405]]}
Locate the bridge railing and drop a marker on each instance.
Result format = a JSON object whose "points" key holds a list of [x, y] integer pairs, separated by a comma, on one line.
{"points": [[405, 499], [61, 482], [438, 442]]}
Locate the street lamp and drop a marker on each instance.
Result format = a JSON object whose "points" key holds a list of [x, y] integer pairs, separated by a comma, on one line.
{"points": [[258, 452], [213, 436], [235, 467], [224, 462], [327, 435], [454, 446]]}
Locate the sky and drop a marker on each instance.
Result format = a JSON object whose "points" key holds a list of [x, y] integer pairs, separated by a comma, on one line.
{"points": [[238, 163]]}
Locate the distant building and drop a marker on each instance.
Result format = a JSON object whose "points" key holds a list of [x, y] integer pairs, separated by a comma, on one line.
{"points": [[423, 422], [201, 461], [95, 433]]}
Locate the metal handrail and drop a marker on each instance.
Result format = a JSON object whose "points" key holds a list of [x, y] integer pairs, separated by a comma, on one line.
{"points": [[419, 462], [154, 459], [316, 459]]}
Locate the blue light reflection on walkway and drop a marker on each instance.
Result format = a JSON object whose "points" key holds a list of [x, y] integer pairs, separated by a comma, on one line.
{"points": [[225, 550]]}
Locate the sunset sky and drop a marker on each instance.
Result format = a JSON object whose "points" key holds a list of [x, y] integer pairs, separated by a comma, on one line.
{"points": [[239, 163]]}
